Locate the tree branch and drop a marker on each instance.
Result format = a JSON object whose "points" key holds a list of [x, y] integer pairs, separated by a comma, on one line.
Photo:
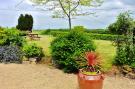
{"points": [[63, 8], [75, 6]]}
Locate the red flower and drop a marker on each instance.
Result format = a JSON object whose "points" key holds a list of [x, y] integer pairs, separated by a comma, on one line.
{"points": [[91, 58]]}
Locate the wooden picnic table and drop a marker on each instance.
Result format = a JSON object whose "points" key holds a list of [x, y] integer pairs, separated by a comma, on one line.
{"points": [[33, 36]]}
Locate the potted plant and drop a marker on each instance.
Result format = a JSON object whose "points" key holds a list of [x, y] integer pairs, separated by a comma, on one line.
{"points": [[90, 77]]}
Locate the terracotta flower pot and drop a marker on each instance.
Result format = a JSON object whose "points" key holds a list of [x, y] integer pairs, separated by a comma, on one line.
{"points": [[90, 81]]}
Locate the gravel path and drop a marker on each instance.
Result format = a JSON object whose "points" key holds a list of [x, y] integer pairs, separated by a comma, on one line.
{"points": [[26, 76]]}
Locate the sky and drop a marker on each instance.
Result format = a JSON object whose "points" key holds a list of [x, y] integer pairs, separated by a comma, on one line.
{"points": [[104, 15]]}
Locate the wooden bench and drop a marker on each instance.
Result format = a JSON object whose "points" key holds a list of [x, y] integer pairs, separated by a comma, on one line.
{"points": [[33, 36]]}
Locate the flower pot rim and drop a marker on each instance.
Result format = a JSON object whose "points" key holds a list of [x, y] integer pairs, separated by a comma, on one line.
{"points": [[99, 74]]}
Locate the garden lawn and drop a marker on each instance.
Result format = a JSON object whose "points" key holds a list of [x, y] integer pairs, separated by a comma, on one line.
{"points": [[105, 48], [44, 42], [107, 52]]}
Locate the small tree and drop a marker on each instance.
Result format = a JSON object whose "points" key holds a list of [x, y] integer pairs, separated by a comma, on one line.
{"points": [[68, 8], [122, 24], [25, 23]]}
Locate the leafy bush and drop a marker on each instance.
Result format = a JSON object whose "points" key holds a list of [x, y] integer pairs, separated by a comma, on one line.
{"points": [[122, 25], [32, 50], [67, 50], [126, 49], [10, 54], [125, 55], [79, 28], [2, 36], [11, 36], [23, 33]]}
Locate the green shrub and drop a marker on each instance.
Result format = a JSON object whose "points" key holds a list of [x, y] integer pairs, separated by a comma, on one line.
{"points": [[23, 33], [11, 36], [125, 50], [67, 50], [125, 55], [2, 36], [33, 51], [79, 28]]}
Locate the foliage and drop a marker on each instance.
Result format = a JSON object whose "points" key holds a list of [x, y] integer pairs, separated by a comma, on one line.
{"points": [[79, 28], [122, 24], [32, 50], [23, 33], [46, 32], [124, 56], [10, 54], [67, 50], [2, 36], [93, 63], [98, 31], [125, 48], [25, 23], [11, 36], [94, 34], [104, 36], [68, 8]]}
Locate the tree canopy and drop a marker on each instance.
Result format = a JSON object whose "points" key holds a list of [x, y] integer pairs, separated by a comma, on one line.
{"points": [[124, 22], [25, 22], [68, 8]]}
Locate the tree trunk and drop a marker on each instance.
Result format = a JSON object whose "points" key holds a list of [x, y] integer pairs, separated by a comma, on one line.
{"points": [[70, 23]]}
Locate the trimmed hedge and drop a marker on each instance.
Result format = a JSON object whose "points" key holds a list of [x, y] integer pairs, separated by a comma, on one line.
{"points": [[91, 35], [104, 36], [98, 31]]}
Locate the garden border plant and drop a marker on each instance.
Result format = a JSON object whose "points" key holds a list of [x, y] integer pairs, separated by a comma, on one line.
{"points": [[11, 54], [67, 50], [33, 51]]}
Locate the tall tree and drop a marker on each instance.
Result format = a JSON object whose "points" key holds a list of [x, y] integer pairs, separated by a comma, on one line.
{"points": [[25, 22], [68, 8]]}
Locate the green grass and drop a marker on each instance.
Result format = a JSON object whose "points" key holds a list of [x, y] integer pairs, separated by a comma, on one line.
{"points": [[104, 48], [107, 52], [44, 42]]}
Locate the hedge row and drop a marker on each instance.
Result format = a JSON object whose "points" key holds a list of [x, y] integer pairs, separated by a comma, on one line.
{"points": [[98, 31], [91, 35], [103, 36]]}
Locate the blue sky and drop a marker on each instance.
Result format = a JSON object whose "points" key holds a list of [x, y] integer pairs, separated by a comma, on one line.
{"points": [[110, 9]]}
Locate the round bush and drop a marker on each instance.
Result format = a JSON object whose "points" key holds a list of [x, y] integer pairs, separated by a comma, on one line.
{"points": [[67, 50], [33, 51]]}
